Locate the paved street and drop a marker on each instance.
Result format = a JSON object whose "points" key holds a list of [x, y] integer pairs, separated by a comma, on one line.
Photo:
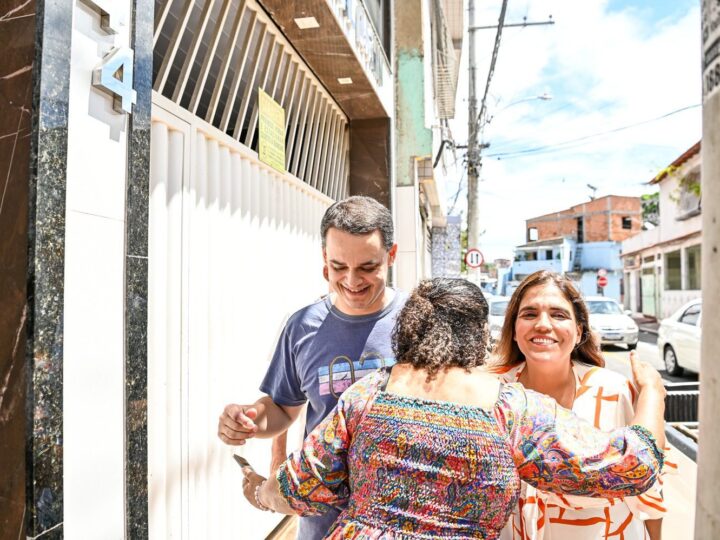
{"points": [[618, 359]]}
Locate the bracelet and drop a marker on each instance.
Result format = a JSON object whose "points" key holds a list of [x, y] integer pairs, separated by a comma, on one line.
{"points": [[257, 498]]}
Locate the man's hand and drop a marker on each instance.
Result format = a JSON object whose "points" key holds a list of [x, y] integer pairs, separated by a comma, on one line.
{"points": [[237, 424], [250, 483]]}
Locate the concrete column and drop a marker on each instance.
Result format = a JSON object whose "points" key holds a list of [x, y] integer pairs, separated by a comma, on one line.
{"points": [[413, 140], [707, 514]]}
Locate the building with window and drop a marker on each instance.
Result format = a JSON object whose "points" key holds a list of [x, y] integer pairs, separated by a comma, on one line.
{"points": [[166, 164], [662, 265], [428, 41], [580, 242]]}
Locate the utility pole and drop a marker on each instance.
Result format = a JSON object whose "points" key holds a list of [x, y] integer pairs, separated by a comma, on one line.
{"points": [[475, 119], [473, 156], [707, 512]]}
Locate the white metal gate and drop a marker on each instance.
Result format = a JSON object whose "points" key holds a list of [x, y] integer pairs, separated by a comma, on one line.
{"points": [[234, 246]]}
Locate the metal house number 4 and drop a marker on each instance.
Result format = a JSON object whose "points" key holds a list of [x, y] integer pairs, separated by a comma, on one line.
{"points": [[114, 75]]}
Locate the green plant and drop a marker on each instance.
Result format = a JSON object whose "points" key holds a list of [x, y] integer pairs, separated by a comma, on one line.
{"points": [[650, 203]]}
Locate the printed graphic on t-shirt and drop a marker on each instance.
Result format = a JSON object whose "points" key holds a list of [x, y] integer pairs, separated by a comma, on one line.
{"points": [[342, 372]]}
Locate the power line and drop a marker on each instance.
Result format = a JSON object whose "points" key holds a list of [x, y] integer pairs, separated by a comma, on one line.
{"points": [[559, 145], [493, 60]]}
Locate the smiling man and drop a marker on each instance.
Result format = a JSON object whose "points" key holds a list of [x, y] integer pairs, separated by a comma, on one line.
{"points": [[330, 344]]}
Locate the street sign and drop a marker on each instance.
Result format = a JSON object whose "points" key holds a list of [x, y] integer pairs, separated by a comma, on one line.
{"points": [[602, 281], [602, 272], [473, 258]]}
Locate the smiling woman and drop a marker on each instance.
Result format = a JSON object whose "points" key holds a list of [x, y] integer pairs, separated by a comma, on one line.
{"points": [[547, 345]]}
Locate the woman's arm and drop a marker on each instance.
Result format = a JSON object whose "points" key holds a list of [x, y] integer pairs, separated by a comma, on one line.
{"points": [[650, 408], [557, 451], [264, 493], [654, 528]]}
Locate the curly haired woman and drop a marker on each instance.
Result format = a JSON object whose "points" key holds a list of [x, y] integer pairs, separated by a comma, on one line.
{"points": [[435, 447]]}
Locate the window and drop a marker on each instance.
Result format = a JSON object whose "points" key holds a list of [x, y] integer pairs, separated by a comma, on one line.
{"points": [[626, 222], [580, 232], [532, 234], [603, 307], [691, 315], [532, 256], [692, 267], [673, 280], [649, 259], [497, 309], [548, 254]]}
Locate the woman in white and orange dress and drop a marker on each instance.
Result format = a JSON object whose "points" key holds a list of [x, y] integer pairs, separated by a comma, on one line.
{"points": [[548, 346]]}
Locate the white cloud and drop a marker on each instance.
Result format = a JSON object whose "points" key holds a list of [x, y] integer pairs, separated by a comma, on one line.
{"points": [[605, 69]]}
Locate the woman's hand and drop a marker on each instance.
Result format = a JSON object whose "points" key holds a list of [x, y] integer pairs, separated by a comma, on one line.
{"points": [[646, 376], [251, 481], [650, 406]]}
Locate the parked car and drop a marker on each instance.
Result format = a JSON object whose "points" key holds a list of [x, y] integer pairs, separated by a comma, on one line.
{"points": [[497, 305], [611, 324], [679, 338]]}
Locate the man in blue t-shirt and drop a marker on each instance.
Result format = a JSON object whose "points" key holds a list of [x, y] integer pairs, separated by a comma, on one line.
{"points": [[330, 344]]}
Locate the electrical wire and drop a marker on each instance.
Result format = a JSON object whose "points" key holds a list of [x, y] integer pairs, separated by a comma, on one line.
{"points": [[493, 61], [457, 193], [573, 143]]}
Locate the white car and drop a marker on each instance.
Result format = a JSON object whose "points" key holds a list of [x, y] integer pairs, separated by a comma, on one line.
{"points": [[610, 323], [497, 305], [679, 339]]}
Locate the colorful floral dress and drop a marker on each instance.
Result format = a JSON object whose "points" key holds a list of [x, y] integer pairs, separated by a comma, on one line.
{"points": [[606, 399], [404, 467]]}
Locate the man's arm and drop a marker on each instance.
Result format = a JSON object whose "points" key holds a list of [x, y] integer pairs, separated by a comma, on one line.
{"points": [[279, 452], [262, 419]]}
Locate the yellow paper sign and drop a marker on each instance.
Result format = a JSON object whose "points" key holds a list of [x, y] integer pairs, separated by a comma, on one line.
{"points": [[271, 125]]}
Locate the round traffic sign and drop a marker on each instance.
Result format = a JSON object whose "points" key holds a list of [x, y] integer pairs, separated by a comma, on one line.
{"points": [[602, 281], [473, 258], [601, 272]]}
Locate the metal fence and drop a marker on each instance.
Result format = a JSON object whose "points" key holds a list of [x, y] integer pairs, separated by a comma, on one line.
{"points": [[211, 56]]}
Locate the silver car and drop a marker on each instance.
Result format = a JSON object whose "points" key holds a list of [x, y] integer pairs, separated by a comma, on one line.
{"points": [[610, 323], [679, 338]]}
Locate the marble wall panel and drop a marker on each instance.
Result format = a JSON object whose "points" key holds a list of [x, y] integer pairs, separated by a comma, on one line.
{"points": [[136, 276], [17, 43], [45, 275]]}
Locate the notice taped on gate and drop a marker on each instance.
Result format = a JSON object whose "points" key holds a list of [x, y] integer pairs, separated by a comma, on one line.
{"points": [[711, 47], [271, 132]]}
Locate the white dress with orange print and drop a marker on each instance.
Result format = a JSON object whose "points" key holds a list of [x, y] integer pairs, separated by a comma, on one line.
{"points": [[604, 398]]}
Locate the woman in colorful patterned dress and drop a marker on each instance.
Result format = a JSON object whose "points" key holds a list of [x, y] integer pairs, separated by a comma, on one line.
{"points": [[435, 447], [547, 346]]}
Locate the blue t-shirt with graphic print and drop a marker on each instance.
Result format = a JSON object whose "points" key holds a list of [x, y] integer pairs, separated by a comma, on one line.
{"points": [[320, 353]]}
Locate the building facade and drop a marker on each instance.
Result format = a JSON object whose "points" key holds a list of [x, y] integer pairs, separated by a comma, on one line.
{"points": [[662, 265], [428, 40], [580, 242], [167, 166]]}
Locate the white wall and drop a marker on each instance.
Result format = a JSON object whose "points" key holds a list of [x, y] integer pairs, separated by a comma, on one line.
{"points": [[670, 227], [93, 365], [234, 248], [407, 234]]}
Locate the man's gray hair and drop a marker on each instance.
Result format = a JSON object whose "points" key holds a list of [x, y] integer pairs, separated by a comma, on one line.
{"points": [[359, 215]]}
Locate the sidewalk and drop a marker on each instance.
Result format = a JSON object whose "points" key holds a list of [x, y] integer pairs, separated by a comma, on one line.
{"points": [[679, 496]]}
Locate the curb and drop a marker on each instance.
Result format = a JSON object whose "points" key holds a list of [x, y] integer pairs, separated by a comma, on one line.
{"points": [[683, 443], [648, 330]]}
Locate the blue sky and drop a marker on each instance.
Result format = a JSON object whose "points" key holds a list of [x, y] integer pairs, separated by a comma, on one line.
{"points": [[613, 68], [654, 10]]}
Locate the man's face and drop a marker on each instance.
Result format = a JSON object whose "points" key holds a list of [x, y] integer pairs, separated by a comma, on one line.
{"points": [[357, 270]]}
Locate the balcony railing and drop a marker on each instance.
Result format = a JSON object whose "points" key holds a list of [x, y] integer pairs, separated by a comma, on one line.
{"points": [[362, 35]]}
